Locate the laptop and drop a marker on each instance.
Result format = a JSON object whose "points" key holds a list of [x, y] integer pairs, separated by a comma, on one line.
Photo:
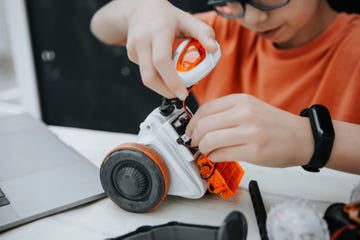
{"points": [[39, 174]]}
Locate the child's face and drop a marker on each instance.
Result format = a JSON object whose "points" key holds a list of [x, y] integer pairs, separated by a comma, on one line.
{"points": [[289, 26]]}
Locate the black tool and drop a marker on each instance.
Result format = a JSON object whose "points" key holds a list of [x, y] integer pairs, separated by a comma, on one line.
{"points": [[259, 208]]}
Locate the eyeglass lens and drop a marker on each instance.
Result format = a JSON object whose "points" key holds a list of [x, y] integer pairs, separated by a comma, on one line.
{"points": [[237, 8]]}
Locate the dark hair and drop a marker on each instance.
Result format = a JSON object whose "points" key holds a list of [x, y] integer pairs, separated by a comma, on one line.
{"points": [[349, 6]]}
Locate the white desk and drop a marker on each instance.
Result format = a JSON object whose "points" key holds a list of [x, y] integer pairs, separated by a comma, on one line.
{"points": [[103, 219]]}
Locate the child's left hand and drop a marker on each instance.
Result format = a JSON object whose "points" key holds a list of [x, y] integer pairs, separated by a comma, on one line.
{"points": [[241, 127]]}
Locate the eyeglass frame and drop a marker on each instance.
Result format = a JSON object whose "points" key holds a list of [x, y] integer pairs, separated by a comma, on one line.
{"points": [[214, 3]]}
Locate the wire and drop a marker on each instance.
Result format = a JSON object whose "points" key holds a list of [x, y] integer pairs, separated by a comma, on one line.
{"points": [[184, 105], [339, 231]]}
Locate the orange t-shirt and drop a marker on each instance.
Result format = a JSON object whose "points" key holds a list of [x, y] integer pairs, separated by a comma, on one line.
{"points": [[325, 71]]}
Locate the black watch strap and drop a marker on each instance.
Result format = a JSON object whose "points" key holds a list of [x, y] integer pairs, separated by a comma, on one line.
{"points": [[324, 135]]}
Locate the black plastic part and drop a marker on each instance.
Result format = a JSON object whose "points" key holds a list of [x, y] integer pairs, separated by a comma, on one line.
{"points": [[231, 229], [167, 106], [172, 230], [180, 123], [234, 227], [337, 219], [132, 180], [259, 208]]}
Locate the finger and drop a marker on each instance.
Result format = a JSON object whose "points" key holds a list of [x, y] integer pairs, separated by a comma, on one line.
{"points": [[219, 139], [149, 75], [162, 59], [211, 123], [225, 137], [131, 53], [231, 153], [193, 27], [216, 106]]}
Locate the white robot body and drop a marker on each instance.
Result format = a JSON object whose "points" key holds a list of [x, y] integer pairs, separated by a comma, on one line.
{"points": [[157, 131], [138, 176]]}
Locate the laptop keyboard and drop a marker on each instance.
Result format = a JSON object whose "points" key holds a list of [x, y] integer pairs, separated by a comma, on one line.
{"points": [[3, 200]]}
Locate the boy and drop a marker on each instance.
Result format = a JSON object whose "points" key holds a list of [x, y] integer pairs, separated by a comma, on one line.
{"points": [[278, 57]]}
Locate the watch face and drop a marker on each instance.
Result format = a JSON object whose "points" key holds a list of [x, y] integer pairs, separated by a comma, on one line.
{"points": [[322, 121]]}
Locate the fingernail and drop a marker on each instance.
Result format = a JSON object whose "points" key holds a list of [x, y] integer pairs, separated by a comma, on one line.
{"points": [[181, 94]]}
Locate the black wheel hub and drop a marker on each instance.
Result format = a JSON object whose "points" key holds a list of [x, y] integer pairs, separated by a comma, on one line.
{"points": [[132, 180]]}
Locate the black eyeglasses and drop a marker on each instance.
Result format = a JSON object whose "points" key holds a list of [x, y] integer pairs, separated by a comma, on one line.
{"points": [[237, 9]]}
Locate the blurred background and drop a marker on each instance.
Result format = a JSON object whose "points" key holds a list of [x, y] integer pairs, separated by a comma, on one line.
{"points": [[80, 81], [8, 91]]}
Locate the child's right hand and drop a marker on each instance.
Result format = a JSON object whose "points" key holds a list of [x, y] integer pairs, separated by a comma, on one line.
{"points": [[148, 29]]}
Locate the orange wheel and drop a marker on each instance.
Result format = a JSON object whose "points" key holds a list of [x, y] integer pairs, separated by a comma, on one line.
{"points": [[135, 177]]}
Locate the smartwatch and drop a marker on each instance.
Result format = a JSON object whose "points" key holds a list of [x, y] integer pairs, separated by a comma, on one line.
{"points": [[324, 135]]}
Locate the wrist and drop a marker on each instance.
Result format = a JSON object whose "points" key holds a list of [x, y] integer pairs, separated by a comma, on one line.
{"points": [[304, 147], [323, 136]]}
